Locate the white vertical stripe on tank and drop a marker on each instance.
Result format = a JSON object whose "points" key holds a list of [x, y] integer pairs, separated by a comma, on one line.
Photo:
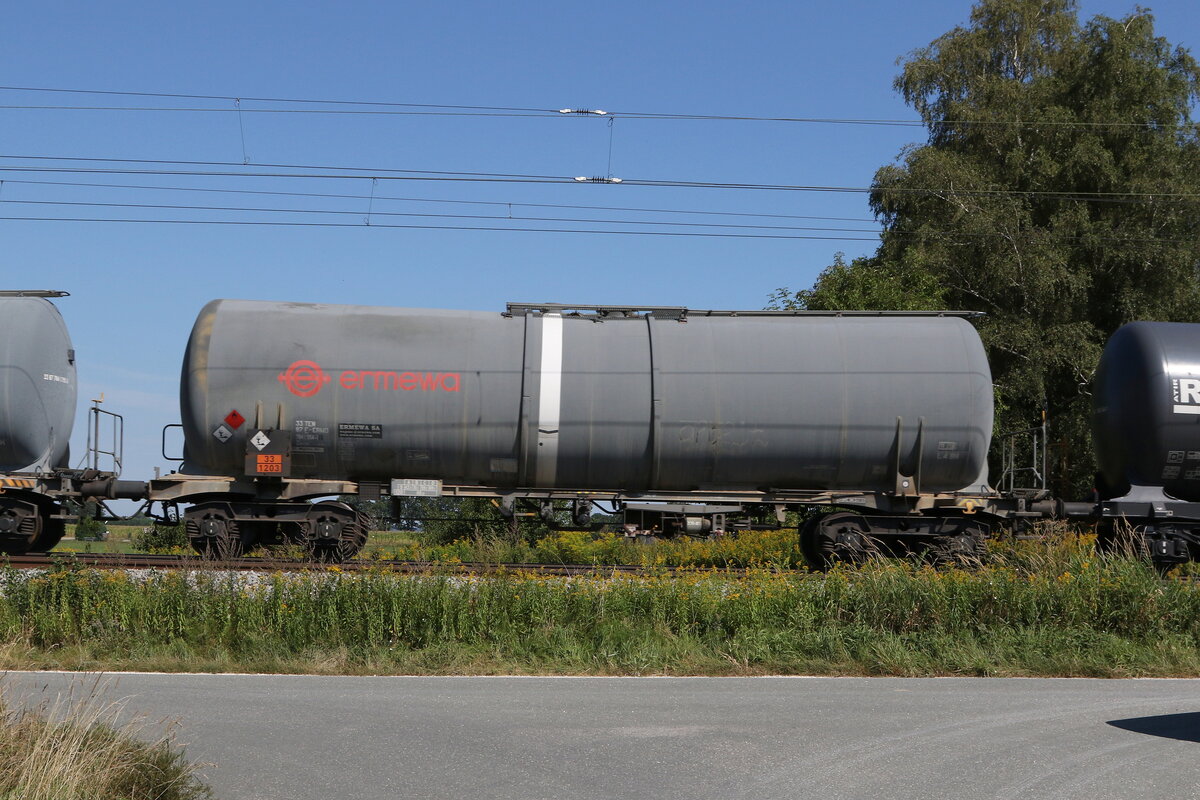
{"points": [[549, 400]]}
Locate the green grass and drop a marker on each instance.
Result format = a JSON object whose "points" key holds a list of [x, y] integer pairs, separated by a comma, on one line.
{"points": [[1039, 608], [119, 540], [779, 549], [761, 548]]}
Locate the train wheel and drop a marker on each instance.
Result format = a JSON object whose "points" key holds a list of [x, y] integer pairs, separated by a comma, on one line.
{"points": [[20, 525], [53, 530], [212, 532], [839, 536], [809, 544], [336, 531]]}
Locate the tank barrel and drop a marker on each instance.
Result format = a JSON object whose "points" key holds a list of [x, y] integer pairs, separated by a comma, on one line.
{"points": [[656, 401]]}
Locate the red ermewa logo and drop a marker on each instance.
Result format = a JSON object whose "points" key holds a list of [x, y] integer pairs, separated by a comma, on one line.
{"points": [[304, 378]]}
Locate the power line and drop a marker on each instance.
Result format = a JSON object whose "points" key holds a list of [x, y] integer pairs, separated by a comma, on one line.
{"points": [[326, 111], [231, 98], [370, 171], [372, 213], [551, 113], [502, 111], [314, 176], [900, 123], [501, 203], [277, 223], [394, 174], [1065, 239]]}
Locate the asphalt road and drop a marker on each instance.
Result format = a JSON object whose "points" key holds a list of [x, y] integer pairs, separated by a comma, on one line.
{"points": [[296, 738]]}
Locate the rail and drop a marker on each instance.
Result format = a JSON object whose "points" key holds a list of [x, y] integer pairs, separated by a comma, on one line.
{"points": [[268, 564]]}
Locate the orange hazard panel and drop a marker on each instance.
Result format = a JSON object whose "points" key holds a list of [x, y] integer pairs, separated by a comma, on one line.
{"points": [[270, 463]]}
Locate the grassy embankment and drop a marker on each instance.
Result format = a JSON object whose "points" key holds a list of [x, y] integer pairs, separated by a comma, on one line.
{"points": [[80, 750], [1036, 609], [778, 549]]}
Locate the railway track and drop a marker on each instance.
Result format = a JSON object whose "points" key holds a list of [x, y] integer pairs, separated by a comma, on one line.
{"points": [[119, 561], [267, 564]]}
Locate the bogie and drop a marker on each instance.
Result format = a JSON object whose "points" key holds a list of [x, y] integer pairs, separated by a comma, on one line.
{"points": [[852, 538], [329, 531]]}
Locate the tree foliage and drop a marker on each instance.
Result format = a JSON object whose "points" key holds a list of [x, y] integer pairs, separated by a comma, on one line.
{"points": [[1058, 191], [90, 528], [864, 283]]}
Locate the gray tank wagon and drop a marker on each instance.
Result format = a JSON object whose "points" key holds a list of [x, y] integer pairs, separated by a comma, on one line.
{"points": [[554, 401], [39, 391], [37, 382], [283, 402], [1146, 398]]}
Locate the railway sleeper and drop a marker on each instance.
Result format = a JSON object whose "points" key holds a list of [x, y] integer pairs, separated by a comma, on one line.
{"points": [[851, 537]]}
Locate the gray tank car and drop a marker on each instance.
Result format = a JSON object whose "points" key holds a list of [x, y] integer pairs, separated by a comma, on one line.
{"points": [[38, 392], [577, 402], [283, 401], [1147, 433], [37, 382]]}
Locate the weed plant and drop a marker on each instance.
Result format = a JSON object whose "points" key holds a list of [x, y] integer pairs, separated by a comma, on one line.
{"points": [[778, 549], [161, 539], [79, 750], [1052, 607]]}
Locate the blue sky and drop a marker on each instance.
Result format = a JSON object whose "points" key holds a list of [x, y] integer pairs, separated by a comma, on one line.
{"points": [[137, 287]]}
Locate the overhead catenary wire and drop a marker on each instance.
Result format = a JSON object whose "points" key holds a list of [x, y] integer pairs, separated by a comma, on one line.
{"points": [[437, 200], [230, 98], [328, 111], [289, 224], [371, 171], [372, 212], [1067, 239], [396, 174], [451, 109], [434, 111]]}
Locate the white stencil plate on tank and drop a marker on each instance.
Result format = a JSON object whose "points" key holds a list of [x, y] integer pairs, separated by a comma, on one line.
{"points": [[549, 400], [222, 434]]}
